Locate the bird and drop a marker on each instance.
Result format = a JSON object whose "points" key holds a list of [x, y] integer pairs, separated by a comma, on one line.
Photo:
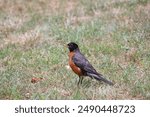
{"points": [[81, 66]]}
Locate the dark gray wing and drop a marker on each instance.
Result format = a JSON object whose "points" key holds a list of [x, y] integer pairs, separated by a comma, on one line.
{"points": [[80, 61]]}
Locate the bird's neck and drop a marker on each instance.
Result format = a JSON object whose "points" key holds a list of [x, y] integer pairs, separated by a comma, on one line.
{"points": [[77, 50]]}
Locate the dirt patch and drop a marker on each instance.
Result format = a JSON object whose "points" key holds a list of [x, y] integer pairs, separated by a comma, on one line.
{"points": [[145, 8]]}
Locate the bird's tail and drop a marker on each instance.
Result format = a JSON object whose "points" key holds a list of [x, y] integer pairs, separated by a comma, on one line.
{"points": [[100, 78]]}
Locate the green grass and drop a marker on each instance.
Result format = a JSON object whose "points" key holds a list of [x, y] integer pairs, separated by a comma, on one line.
{"points": [[113, 34]]}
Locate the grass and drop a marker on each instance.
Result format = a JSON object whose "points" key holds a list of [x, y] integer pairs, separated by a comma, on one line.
{"points": [[113, 34]]}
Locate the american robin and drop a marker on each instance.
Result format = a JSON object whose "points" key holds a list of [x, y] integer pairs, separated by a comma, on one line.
{"points": [[81, 66]]}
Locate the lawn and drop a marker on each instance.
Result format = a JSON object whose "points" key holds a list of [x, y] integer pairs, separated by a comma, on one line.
{"points": [[113, 34]]}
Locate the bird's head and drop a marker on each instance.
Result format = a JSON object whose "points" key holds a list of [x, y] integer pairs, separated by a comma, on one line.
{"points": [[72, 46]]}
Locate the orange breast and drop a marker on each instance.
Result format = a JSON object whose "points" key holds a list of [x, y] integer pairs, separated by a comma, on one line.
{"points": [[76, 69]]}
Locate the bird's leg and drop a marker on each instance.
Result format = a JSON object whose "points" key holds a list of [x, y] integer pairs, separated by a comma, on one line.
{"points": [[79, 80]]}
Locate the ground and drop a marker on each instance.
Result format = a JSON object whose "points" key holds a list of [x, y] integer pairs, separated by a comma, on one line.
{"points": [[113, 34]]}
